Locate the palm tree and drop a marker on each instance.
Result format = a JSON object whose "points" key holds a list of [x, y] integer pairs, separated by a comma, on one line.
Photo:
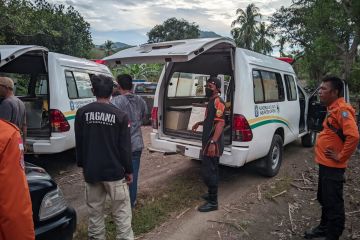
{"points": [[245, 34], [263, 44], [281, 44], [108, 47]]}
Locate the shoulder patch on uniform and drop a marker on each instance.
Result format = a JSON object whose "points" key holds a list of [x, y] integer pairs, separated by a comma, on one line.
{"points": [[344, 114]]}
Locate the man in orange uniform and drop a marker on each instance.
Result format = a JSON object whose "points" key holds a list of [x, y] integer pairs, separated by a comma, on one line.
{"points": [[334, 146], [16, 221]]}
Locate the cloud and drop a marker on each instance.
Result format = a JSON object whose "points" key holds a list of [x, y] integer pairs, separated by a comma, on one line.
{"points": [[141, 15]]}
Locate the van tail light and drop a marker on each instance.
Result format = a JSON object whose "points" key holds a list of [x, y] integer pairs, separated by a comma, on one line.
{"points": [[241, 129], [58, 121], [154, 118]]}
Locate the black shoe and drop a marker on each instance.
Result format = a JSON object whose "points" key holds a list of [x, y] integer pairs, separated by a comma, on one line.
{"points": [[206, 197], [208, 207], [319, 231]]}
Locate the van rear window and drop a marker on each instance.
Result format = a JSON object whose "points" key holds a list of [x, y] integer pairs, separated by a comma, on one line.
{"points": [[28, 85], [268, 86]]}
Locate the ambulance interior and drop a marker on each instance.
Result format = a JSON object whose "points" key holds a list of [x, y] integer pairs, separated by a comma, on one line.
{"points": [[30, 77], [184, 97]]}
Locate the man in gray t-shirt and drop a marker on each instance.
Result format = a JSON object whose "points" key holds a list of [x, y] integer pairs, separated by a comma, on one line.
{"points": [[12, 109], [136, 109]]}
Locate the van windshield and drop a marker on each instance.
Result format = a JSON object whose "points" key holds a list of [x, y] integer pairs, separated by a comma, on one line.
{"points": [[145, 88]]}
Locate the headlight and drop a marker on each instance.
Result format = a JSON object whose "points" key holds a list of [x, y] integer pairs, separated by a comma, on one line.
{"points": [[52, 204]]}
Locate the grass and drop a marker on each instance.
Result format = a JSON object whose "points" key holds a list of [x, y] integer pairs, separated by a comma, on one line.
{"points": [[153, 210]]}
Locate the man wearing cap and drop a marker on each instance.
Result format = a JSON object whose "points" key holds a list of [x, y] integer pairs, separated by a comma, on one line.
{"points": [[212, 142], [12, 108]]}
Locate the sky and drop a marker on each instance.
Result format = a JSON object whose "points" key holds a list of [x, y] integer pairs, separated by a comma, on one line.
{"points": [[128, 21]]}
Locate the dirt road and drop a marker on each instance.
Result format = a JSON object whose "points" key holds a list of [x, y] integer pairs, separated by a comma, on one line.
{"points": [[253, 207], [248, 208]]}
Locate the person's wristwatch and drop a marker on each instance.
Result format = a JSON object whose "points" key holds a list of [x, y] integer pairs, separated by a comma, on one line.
{"points": [[212, 141]]}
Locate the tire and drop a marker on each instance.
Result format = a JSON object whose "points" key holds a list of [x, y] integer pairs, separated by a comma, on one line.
{"points": [[273, 159], [309, 139]]}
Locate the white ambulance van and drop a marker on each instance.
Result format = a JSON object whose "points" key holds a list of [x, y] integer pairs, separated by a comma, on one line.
{"points": [[52, 86], [265, 107]]}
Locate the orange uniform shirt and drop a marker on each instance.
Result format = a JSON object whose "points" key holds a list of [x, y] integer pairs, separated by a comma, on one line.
{"points": [[16, 221], [342, 116]]}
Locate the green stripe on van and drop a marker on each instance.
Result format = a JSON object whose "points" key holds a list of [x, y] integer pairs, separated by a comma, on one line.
{"points": [[267, 122], [70, 117]]}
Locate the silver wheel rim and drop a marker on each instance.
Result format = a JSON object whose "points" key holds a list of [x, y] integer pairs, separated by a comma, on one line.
{"points": [[275, 156]]}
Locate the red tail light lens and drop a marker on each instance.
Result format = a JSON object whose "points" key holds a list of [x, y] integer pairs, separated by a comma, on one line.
{"points": [[58, 121], [154, 118], [241, 129], [286, 59], [100, 61]]}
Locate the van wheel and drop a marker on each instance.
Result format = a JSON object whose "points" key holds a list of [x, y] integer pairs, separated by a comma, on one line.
{"points": [[274, 158], [309, 139]]}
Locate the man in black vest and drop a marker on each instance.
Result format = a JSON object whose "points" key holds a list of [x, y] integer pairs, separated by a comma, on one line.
{"points": [[212, 142]]}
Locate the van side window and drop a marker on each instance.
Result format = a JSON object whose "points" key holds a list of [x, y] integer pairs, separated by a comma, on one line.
{"points": [[258, 87], [271, 86], [301, 94], [78, 85], [290, 88], [83, 84], [71, 85]]}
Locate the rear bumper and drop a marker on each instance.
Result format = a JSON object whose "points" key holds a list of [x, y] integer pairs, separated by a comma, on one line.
{"points": [[55, 144], [61, 229], [232, 156]]}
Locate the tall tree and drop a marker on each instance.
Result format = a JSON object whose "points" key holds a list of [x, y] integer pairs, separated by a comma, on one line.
{"points": [[263, 44], [59, 28], [173, 29], [326, 30], [281, 44], [245, 34]]}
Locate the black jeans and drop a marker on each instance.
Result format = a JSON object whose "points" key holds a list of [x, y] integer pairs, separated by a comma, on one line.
{"points": [[210, 173], [330, 197]]}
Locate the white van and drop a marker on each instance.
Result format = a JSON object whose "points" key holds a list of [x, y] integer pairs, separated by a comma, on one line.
{"points": [[265, 108], [52, 86]]}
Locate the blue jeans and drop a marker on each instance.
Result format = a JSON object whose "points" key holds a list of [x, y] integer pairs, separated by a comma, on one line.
{"points": [[133, 186]]}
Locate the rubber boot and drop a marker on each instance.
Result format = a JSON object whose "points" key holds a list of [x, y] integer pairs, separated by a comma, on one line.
{"points": [[210, 205], [205, 197], [316, 232]]}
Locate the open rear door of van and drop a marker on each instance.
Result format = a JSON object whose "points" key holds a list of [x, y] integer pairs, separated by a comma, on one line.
{"points": [[11, 52], [28, 68], [163, 52]]}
